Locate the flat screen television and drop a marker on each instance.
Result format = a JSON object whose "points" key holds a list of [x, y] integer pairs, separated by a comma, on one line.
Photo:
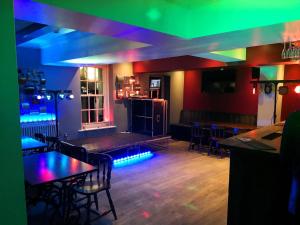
{"points": [[155, 83], [219, 81]]}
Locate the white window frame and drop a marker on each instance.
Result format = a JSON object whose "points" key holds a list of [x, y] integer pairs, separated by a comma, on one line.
{"points": [[106, 99]]}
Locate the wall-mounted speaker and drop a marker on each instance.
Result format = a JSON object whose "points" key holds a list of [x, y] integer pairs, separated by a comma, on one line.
{"points": [[283, 90], [255, 72]]}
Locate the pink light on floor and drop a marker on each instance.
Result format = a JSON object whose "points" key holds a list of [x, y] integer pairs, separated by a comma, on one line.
{"points": [[146, 214], [156, 195]]}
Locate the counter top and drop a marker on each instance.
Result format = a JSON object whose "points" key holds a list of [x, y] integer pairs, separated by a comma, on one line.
{"points": [[254, 140]]}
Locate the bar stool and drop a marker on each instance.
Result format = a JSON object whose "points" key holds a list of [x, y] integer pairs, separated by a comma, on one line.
{"points": [[216, 134], [196, 136]]}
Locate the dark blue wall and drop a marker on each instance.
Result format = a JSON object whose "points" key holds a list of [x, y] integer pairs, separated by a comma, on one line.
{"points": [[66, 78], [57, 77]]}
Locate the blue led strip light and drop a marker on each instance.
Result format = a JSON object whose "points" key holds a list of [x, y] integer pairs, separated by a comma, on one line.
{"points": [[29, 118], [133, 158]]}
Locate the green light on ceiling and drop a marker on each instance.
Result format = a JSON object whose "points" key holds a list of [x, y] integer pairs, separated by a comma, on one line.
{"points": [[189, 19], [153, 14], [238, 53]]}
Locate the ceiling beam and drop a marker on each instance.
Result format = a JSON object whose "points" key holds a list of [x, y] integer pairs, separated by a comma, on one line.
{"points": [[33, 31]]}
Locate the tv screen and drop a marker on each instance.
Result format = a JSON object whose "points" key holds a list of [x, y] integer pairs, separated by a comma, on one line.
{"points": [[155, 83], [219, 81]]}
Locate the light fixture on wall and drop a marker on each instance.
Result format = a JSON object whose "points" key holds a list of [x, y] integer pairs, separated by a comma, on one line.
{"points": [[38, 97], [48, 97], [283, 90], [69, 95], [254, 88], [61, 95]]}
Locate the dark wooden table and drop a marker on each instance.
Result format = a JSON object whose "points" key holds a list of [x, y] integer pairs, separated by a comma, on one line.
{"points": [[29, 143], [53, 166], [256, 185], [49, 167]]}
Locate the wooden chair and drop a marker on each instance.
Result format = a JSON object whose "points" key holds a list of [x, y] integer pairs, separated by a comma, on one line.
{"points": [[73, 151], [64, 188], [41, 137], [52, 142], [96, 183]]}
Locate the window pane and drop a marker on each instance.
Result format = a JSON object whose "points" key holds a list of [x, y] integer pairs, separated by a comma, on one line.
{"points": [[91, 88], [82, 73], [100, 115], [100, 76], [92, 74], [85, 116], [84, 103], [93, 104], [99, 88], [83, 85], [101, 102], [93, 116]]}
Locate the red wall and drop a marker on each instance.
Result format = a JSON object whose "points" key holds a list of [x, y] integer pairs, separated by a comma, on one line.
{"points": [[265, 55], [241, 101], [291, 101], [174, 63]]}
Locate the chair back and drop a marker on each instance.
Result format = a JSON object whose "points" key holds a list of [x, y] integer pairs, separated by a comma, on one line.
{"points": [[235, 131], [196, 130], [104, 163], [52, 142], [40, 137], [73, 151], [216, 132]]}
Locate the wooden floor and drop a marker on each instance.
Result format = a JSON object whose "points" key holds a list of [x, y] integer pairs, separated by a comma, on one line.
{"points": [[176, 187]]}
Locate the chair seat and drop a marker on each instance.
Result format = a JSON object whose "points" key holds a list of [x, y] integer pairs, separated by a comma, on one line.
{"points": [[91, 187]]}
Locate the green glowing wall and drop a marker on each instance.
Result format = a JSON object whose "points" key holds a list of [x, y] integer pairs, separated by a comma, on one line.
{"points": [[12, 200]]}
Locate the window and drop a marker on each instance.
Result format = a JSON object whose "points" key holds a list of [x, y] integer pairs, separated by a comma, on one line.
{"points": [[93, 98]]}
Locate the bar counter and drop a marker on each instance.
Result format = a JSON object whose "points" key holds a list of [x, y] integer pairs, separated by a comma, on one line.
{"points": [[257, 189]]}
